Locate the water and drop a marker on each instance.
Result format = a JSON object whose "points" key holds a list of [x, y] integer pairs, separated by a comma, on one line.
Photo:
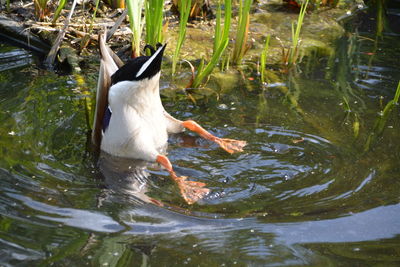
{"points": [[306, 191]]}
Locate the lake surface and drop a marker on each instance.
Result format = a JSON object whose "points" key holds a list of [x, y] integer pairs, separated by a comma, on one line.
{"points": [[316, 185]]}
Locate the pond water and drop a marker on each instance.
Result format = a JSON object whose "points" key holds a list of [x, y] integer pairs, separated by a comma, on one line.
{"points": [[316, 184]]}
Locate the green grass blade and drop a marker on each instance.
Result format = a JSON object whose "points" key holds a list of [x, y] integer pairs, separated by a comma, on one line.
{"points": [[296, 34], [60, 7], [217, 35], [135, 22], [201, 75], [263, 59], [154, 19], [184, 11], [242, 31]]}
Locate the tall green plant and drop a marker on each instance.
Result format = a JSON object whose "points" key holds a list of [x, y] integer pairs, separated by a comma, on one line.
{"points": [[60, 7], [184, 11], [220, 43], [135, 22], [242, 31], [382, 120], [154, 19], [263, 59], [293, 52]]}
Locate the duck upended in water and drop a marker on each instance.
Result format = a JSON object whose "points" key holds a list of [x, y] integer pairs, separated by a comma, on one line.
{"points": [[131, 122]]}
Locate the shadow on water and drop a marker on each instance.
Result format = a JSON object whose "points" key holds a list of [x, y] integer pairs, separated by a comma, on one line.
{"points": [[304, 192]]}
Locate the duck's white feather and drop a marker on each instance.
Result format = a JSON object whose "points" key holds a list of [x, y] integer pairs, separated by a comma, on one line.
{"points": [[138, 126]]}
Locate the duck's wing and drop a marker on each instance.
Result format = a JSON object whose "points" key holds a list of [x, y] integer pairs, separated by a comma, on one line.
{"points": [[109, 64]]}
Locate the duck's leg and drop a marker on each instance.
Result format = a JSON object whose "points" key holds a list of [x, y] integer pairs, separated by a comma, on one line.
{"points": [[191, 191], [229, 145]]}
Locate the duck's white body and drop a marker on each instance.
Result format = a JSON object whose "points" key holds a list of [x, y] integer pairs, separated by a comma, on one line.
{"points": [[138, 127]]}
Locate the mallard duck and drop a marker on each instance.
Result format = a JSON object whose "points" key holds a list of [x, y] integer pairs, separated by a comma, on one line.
{"points": [[131, 122]]}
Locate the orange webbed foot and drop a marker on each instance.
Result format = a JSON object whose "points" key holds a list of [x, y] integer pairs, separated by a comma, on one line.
{"points": [[231, 145], [191, 191]]}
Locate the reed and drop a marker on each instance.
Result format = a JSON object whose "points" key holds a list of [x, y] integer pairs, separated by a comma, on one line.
{"points": [[263, 59], [135, 22], [380, 123], [293, 51], [220, 43], [86, 39], [242, 32], [154, 21], [59, 8], [41, 9], [184, 11]]}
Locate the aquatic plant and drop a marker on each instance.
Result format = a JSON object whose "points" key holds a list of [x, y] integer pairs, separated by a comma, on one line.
{"points": [[294, 49], [380, 123], [85, 40], [263, 59], [242, 32], [57, 13], [41, 9], [221, 40], [184, 11], [154, 20], [135, 23], [381, 20], [8, 5]]}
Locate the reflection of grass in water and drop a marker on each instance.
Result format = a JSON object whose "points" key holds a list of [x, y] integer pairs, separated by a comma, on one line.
{"points": [[380, 123]]}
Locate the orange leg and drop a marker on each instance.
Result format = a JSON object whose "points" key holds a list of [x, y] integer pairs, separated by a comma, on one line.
{"points": [[191, 191], [229, 145]]}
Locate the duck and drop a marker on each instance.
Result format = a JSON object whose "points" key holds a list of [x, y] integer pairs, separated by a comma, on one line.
{"points": [[131, 122]]}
